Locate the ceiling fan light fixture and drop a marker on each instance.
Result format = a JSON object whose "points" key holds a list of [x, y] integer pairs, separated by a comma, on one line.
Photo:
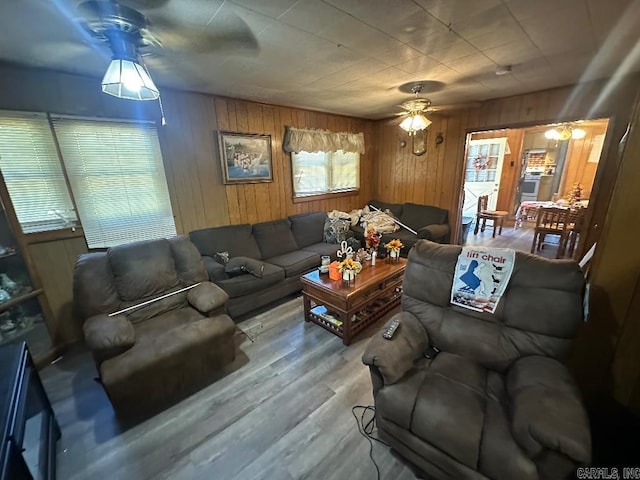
{"points": [[128, 79], [414, 122], [565, 132]]}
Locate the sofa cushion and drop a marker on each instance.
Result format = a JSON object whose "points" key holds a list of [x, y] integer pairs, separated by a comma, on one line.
{"points": [[236, 239], [296, 263], [169, 335], [394, 208], [274, 238], [324, 249], [142, 269], [307, 228], [94, 291], [418, 216], [240, 265], [247, 284], [187, 260]]}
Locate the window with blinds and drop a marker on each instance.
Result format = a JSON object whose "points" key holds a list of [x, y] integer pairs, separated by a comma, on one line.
{"points": [[325, 172], [117, 178], [33, 173]]}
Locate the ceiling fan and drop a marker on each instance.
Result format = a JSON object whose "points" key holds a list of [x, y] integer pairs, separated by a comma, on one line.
{"points": [[154, 31], [415, 110]]}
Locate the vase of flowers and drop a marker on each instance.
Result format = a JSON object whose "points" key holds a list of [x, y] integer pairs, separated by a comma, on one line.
{"points": [[349, 268], [372, 239], [393, 247]]}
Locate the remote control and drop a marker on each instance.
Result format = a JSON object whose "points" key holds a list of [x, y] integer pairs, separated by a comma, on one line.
{"points": [[390, 331]]}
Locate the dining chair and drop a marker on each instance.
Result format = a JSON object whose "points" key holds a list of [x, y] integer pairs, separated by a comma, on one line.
{"points": [[552, 221], [497, 216], [576, 225]]}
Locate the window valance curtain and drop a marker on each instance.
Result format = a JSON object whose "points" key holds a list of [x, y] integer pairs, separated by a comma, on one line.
{"points": [[315, 140]]}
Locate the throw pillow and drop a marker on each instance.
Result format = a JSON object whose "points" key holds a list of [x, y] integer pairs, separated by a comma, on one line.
{"points": [[221, 257], [241, 265], [335, 230]]}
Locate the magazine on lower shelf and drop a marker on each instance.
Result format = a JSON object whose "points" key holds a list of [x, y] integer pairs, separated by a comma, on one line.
{"points": [[321, 311]]}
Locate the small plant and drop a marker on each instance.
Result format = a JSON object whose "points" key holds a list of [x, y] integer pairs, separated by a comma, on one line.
{"points": [[394, 246], [349, 264]]}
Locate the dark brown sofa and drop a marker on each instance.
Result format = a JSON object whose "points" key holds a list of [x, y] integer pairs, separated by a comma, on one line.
{"points": [[283, 250], [496, 402], [431, 223], [152, 355]]}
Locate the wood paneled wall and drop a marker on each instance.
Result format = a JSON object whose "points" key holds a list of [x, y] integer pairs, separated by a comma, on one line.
{"points": [[578, 169], [194, 175], [55, 261]]}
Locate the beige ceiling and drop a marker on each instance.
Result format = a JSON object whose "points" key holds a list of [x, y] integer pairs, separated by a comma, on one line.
{"points": [[347, 56]]}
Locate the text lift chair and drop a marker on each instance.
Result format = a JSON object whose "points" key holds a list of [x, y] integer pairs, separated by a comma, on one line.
{"points": [[497, 216]]}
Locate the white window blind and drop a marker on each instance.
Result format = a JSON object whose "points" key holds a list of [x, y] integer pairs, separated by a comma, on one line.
{"points": [[117, 178], [33, 174], [325, 172]]}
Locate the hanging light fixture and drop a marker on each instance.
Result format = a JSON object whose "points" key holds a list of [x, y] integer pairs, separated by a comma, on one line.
{"points": [[416, 120], [126, 76], [565, 132]]}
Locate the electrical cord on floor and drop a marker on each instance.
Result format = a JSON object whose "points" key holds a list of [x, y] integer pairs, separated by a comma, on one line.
{"points": [[366, 430]]}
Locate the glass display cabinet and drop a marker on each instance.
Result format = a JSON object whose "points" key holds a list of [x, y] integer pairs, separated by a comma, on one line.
{"points": [[23, 304]]}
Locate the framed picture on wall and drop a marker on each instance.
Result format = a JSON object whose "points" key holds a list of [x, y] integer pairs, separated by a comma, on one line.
{"points": [[245, 157]]}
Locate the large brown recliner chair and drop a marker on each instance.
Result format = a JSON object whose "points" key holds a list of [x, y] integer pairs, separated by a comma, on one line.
{"points": [[496, 402], [153, 354]]}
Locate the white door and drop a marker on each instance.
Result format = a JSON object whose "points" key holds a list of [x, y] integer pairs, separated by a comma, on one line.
{"points": [[482, 174]]}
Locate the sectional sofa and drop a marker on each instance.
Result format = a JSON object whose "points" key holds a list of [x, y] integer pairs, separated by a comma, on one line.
{"points": [[257, 264]]}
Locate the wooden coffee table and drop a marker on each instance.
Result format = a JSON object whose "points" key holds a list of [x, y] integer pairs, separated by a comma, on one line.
{"points": [[345, 311]]}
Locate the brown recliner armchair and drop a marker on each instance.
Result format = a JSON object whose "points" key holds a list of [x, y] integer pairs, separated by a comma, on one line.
{"points": [[151, 355], [496, 402]]}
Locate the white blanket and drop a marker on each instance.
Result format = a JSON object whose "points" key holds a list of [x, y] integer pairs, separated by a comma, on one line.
{"points": [[481, 277], [379, 221]]}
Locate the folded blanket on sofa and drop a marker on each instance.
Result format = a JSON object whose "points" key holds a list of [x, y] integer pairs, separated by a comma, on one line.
{"points": [[379, 221]]}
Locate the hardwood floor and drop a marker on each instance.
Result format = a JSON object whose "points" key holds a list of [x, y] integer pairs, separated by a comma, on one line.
{"points": [[516, 238], [282, 412]]}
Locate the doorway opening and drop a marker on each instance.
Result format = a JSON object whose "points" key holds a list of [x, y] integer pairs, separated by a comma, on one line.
{"points": [[521, 170]]}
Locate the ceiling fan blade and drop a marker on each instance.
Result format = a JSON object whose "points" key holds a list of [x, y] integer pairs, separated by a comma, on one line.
{"points": [[226, 32], [453, 106]]}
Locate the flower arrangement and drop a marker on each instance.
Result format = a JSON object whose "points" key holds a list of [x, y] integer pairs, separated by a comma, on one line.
{"points": [[372, 239], [349, 265], [394, 246]]}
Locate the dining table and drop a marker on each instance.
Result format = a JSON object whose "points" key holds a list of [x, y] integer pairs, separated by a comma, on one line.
{"points": [[528, 210]]}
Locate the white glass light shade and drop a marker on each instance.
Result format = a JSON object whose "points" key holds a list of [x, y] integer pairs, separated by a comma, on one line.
{"points": [[415, 122], [578, 133], [552, 134], [128, 79]]}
